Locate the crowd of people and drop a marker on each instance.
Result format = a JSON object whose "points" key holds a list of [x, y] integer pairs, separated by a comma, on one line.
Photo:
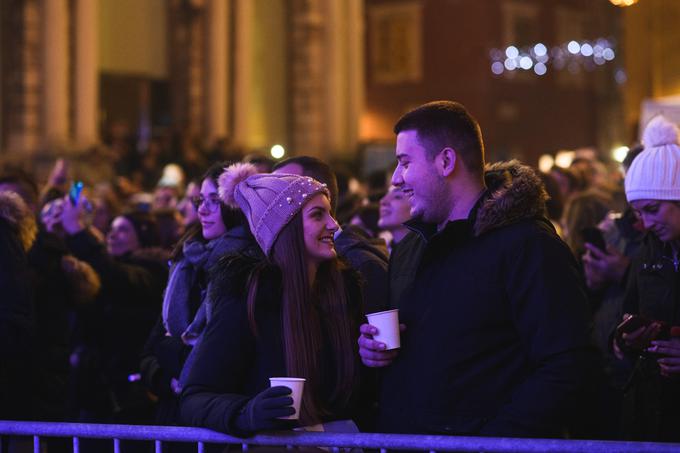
{"points": [[531, 304]]}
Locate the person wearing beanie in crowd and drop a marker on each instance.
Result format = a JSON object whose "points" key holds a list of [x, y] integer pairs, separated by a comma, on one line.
{"points": [[650, 333], [368, 256], [497, 340], [289, 308], [220, 230], [111, 334]]}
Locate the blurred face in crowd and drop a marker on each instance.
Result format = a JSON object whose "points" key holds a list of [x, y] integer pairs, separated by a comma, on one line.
{"points": [[319, 227], [660, 217], [207, 206], [186, 207], [417, 177], [165, 198], [395, 209], [122, 237]]}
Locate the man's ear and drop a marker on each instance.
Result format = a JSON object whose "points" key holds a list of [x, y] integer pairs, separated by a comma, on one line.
{"points": [[447, 161]]}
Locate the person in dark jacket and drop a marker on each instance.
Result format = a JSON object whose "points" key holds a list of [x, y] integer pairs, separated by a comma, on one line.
{"points": [[17, 324], [219, 230], [367, 256], [496, 340], [652, 294], [112, 334], [288, 310]]}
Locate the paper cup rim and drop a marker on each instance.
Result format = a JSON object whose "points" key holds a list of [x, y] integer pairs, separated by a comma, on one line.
{"points": [[292, 379], [382, 312]]}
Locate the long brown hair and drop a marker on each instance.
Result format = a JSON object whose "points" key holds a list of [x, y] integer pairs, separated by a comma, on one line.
{"points": [[308, 311]]}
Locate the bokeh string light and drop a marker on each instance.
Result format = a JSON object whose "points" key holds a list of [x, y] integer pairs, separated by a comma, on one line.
{"points": [[573, 56]]}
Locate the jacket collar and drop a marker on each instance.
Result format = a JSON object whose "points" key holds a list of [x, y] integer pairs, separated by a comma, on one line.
{"points": [[514, 193]]}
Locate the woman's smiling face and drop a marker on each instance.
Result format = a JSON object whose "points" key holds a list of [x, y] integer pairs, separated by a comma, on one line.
{"points": [[319, 228]]}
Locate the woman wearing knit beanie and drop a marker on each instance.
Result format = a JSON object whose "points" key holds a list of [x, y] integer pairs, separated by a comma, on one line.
{"points": [[287, 308], [650, 333]]}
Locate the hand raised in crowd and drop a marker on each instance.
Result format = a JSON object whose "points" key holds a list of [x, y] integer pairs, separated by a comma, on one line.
{"points": [[72, 215], [603, 268], [373, 352]]}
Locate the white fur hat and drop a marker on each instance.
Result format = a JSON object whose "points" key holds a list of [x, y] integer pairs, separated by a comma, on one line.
{"points": [[655, 172]]}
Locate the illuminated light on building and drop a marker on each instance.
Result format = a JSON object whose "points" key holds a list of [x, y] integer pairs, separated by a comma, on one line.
{"points": [[573, 47], [620, 153], [526, 63], [511, 52], [623, 3], [620, 76], [278, 151], [540, 69], [572, 56], [540, 50], [545, 163], [586, 50]]}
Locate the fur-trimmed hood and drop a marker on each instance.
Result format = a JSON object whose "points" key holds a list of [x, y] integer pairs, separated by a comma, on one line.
{"points": [[14, 211], [515, 193]]}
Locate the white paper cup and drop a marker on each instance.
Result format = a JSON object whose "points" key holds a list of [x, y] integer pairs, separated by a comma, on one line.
{"points": [[387, 323], [297, 386]]}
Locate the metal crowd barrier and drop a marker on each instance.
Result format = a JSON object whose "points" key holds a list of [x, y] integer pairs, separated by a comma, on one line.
{"points": [[332, 441]]}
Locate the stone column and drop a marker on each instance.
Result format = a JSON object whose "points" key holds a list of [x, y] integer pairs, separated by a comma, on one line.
{"points": [[186, 59], [242, 70], [86, 93], [344, 74], [216, 83], [21, 44], [308, 81], [55, 72]]}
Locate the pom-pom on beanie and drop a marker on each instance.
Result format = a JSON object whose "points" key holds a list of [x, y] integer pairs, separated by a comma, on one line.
{"points": [[269, 201], [655, 172]]}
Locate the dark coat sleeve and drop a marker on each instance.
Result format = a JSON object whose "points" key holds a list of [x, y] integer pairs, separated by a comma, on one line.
{"points": [[16, 328], [162, 360], [210, 397], [550, 311]]}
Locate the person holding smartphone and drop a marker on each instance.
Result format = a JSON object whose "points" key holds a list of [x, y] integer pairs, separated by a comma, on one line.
{"points": [[649, 335]]}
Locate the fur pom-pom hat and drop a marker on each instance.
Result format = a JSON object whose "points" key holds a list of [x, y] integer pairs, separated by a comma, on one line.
{"points": [[269, 201], [655, 172]]}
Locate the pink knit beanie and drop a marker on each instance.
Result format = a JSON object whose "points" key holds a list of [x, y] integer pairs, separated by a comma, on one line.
{"points": [[269, 201]]}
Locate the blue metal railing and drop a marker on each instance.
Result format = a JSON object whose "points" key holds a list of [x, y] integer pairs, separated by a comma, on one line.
{"points": [[382, 442]]}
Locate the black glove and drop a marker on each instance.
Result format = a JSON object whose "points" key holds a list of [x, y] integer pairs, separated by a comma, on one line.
{"points": [[262, 411]]}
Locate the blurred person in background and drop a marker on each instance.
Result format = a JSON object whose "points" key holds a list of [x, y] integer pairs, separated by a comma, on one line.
{"points": [[186, 207], [133, 273], [395, 210], [17, 324]]}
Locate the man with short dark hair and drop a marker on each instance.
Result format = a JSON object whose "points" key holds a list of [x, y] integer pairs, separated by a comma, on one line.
{"points": [[496, 340], [366, 256]]}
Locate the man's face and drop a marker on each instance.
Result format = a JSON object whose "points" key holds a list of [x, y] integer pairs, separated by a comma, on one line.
{"points": [[418, 179]]}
